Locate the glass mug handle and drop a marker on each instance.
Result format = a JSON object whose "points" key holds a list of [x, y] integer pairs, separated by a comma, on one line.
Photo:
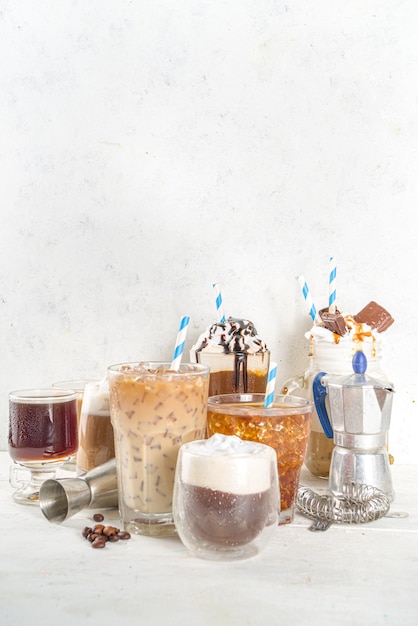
{"points": [[297, 382], [15, 471]]}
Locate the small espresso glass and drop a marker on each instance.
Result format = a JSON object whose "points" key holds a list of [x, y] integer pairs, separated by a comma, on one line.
{"points": [[226, 497], [42, 437], [285, 426], [153, 410]]}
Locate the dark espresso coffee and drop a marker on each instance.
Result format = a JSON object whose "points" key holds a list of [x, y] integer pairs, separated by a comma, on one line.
{"points": [[225, 519], [42, 431]]}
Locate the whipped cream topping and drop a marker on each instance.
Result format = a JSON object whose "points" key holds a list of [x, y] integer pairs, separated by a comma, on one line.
{"points": [[233, 335], [358, 332]]}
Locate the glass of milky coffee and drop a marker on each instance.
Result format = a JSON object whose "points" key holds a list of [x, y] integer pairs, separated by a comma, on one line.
{"points": [[154, 410], [96, 443], [226, 497], [237, 356]]}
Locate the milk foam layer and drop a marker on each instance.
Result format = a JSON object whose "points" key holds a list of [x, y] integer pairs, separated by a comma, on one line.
{"points": [[229, 464], [96, 399], [233, 335]]}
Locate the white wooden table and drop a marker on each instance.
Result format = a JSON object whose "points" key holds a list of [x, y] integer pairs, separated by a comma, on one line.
{"points": [[355, 575]]}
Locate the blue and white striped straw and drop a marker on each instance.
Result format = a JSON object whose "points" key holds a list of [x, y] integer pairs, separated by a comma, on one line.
{"points": [[218, 301], [271, 383], [179, 347], [308, 298], [332, 301]]}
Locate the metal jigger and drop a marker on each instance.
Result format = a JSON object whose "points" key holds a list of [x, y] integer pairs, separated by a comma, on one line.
{"points": [[360, 410], [59, 499]]}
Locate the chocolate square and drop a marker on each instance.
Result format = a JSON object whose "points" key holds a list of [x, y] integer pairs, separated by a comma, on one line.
{"points": [[333, 321], [375, 316]]}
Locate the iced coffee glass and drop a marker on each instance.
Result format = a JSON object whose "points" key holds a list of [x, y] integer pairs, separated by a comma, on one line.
{"points": [[285, 427], [235, 372], [154, 410]]}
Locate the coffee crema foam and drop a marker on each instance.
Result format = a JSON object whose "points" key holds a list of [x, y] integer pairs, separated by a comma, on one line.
{"points": [[228, 464]]}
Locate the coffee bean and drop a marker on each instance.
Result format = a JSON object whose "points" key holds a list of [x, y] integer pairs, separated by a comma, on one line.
{"points": [[123, 534], [100, 534], [99, 542], [113, 538], [98, 529]]}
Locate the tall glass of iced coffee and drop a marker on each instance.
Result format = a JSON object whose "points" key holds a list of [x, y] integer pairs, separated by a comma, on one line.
{"points": [[154, 410]]}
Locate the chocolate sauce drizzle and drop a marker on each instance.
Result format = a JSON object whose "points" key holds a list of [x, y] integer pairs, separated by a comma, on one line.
{"points": [[241, 366], [233, 341]]}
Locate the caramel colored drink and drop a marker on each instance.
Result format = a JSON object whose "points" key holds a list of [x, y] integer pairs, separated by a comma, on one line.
{"points": [[154, 410], [285, 426]]}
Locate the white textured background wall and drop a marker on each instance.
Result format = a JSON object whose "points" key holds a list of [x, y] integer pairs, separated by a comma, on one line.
{"points": [[150, 148]]}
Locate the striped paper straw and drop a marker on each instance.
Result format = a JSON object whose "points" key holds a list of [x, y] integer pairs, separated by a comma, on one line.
{"points": [[179, 347], [308, 299], [332, 302], [219, 306], [271, 383]]}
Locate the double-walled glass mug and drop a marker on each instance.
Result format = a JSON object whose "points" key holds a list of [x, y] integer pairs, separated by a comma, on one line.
{"points": [[42, 437], [226, 497]]}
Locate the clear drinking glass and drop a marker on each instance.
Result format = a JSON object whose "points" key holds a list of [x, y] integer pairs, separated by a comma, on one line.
{"points": [[42, 437], [96, 443], [78, 385], [154, 410], [235, 372], [226, 497], [285, 426]]}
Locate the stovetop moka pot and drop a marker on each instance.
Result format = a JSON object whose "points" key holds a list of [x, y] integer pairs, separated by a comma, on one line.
{"points": [[360, 414]]}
